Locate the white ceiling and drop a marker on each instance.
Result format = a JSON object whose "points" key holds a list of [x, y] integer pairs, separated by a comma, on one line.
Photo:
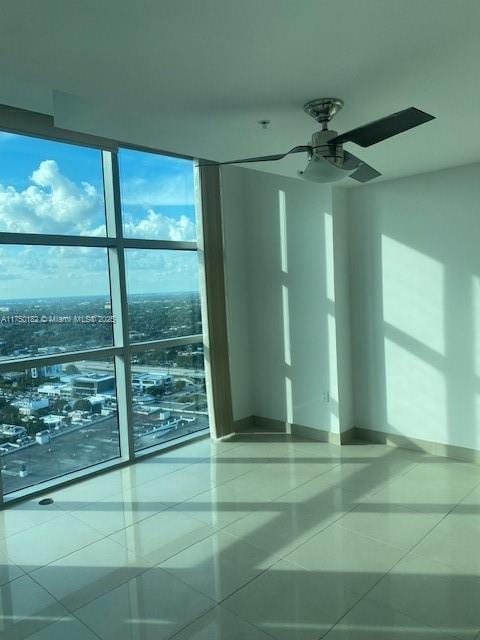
{"points": [[195, 76]]}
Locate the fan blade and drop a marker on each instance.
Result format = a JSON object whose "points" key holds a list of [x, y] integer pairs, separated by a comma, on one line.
{"points": [[259, 159], [365, 173], [384, 128], [350, 161]]}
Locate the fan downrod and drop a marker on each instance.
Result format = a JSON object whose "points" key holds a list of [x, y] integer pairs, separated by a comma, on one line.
{"points": [[323, 109]]}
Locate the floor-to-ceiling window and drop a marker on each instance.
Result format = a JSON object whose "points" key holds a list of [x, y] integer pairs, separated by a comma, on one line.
{"points": [[101, 348]]}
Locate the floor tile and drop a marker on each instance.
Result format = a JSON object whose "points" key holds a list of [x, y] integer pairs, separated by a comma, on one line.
{"points": [[70, 628], [116, 512], [197, 451], [220, 624], [260, 452], [298, 468], [290, 603], [26, 608], [82, 576], [222, 505], [369, 621], [36, 547], [457, 476], [74, 495], [8, 570], [153, 606], [455, 543], [171, 489], [281, 530], [433, 594], [363, 477], [319, 496], [388, 525], [163, 535], [294, 539], [287, 476], [218, 565], [25, 515], [468, 509], [264, 486], [355, 559], [219, 472], [433, 485]]}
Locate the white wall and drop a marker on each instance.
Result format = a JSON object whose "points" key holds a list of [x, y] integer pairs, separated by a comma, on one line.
{"points": [[279, 254], [342, 307], [415, 285], [236, 250]]}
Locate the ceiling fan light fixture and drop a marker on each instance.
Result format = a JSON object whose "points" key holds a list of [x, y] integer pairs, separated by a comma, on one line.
{"points": [[320, 170]]}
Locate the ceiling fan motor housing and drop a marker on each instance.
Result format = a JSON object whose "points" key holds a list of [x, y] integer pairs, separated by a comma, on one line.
{"points": [[321, 149]]}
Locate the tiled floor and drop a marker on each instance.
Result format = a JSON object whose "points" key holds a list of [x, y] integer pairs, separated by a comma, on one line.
{"points": [[250, 540]]}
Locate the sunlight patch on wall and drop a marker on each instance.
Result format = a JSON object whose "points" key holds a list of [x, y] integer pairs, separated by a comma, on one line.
{"points": [[283, 230], [415, 394], [289, 404], [476, 323], [413, 293], [328, 247], [476, 349], [332, 365], [286, 326]]}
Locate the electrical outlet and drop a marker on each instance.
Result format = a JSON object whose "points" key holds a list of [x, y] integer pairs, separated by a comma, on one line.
{"points": [[326, 396]]}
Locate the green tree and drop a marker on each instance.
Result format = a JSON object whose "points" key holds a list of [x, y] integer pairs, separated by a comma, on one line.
{"points": [[34, 426], [71, 369], [82, 405], [180, 385], [10, 415], [59, 405]]}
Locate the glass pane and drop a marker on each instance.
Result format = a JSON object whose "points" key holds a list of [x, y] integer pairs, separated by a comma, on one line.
{"points": [[50, 187], [55, 299], [163, 295], [157, 196], [56, 419], [169, 397]]}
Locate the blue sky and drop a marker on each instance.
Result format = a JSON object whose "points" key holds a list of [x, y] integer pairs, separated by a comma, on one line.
{"points": [[50, 187]]}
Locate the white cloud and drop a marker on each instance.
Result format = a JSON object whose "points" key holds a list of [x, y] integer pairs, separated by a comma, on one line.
{"points": [[158, 226], [167, 191], [52, 204], [36, 271], [154, 270]]}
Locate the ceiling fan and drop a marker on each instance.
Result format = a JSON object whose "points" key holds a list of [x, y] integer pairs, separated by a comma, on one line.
{"points": [[327, 160]]}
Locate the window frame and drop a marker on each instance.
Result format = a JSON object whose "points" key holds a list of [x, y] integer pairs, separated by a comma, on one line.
{"points": [[23, 122]]}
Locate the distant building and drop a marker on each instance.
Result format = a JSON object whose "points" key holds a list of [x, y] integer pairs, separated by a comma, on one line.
{"points": [[55, 391], [8, 447], [95, 401], [12, 431], [144, 381], [51, 421], [13, 376], [31, 406], [42, 437], [48, 371], [50, 350], [92, 385]]}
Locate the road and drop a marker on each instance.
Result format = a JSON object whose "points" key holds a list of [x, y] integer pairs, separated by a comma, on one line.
{"points": [[137, 368]]}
